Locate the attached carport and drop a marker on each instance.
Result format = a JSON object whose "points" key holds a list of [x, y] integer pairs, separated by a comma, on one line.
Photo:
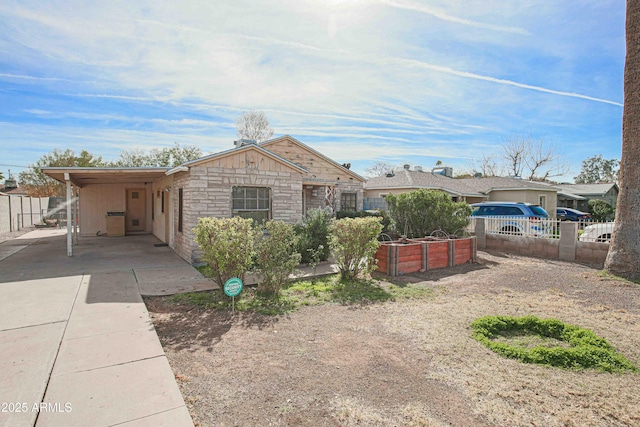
{"points": [[119, 191]]}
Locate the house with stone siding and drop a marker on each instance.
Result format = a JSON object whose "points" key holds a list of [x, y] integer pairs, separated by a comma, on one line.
{"points": [[279, 179]]}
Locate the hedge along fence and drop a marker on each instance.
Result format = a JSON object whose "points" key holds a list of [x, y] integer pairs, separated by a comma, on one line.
{"points": [[428, 253], [18, 212]]}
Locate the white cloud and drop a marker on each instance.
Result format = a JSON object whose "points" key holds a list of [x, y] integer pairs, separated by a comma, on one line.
{"points": [[441, 14], [398, 73]]}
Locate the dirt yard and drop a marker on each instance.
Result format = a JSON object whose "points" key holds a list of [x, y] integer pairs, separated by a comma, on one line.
{"points": [[408, 363]]}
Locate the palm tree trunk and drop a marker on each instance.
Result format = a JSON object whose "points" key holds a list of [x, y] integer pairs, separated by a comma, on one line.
{"points": [[623, 258]]}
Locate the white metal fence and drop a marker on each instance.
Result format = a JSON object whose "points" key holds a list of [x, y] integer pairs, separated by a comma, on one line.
{"points": [[588, 231], [592, 231]]}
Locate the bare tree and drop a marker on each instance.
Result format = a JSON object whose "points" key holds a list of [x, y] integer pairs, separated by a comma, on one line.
{"points": [[379, 168], [543, 161], [254, 125], [524, 156], [489, 165], [624, 250], [515, 150]]}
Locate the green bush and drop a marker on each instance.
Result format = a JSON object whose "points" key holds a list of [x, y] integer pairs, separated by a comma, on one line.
{"points": [[276, 256], [586, 349], [353, 243], [385, 219], [601, 210], [227, 246], [421, 212], [313, 234]]}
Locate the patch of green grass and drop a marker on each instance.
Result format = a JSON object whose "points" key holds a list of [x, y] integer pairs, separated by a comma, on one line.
{"points": [[581, 348], [526, 340], [332, 289], [321, 290], [204, 269], [605, 275]]}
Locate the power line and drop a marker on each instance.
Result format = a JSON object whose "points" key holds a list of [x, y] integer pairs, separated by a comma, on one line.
{"points": [[16, 166]]}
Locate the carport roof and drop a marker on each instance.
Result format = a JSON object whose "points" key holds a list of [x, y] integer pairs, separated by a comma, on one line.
{"points": [[83, 176]]}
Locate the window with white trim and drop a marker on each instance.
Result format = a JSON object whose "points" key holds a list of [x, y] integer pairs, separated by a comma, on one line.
{"points": [[251, 202]]}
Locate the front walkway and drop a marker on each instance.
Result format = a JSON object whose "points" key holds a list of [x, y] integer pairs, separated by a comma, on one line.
{"points": [[78, 347]]}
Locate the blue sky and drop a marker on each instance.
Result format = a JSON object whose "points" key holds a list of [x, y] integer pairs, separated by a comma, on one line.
{"points": [[401, 81]]}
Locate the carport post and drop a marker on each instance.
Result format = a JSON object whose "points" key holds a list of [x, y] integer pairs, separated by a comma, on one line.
{"points": [[77, 211], [67, 178]]}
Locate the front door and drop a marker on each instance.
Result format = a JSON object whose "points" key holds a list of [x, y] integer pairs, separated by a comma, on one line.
{"points": [[136, 210]]}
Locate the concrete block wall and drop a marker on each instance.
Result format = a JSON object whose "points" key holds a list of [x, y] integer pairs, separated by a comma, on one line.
{"points": [[18, 212], [567, 247], [531, 246], [592, 252]]}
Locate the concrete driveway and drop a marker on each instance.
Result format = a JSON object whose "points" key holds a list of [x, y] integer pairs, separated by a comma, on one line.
{"points": [[78, 346]]}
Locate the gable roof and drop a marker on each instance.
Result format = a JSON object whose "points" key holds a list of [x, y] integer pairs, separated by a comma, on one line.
{"points": [[243, 148], [588, 189], [266, 144], [468, 187], [499, 183], [14, 191], [415, 180]]}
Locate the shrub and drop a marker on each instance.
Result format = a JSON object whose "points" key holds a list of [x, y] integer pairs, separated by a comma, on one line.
{"points": [[421, 212], [586, 349], [227, 246], [601, 210], [353, 243], [385, 219], [313, 235], [276, 256]]}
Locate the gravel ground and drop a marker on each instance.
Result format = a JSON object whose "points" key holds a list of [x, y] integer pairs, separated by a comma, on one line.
{"points": [[408, 363], [13, 234]]}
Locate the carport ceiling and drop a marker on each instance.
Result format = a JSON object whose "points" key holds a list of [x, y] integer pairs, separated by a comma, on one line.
{"points": [[85, 176]]}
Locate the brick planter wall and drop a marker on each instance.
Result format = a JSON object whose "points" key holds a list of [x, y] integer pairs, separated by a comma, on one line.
{"points": [[396, 258]]}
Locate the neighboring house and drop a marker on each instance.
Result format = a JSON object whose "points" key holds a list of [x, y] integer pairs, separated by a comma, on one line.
{"points": [[11, 187], [470, 190], [577, 196], [503, 189], [277, 179], [406, 180]]}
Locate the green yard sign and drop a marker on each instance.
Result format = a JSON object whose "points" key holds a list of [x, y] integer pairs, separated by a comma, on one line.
{"points": [[233, 287]]}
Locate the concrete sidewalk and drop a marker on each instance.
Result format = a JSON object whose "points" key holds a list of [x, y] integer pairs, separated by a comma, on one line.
{"points": [[78, 346]]}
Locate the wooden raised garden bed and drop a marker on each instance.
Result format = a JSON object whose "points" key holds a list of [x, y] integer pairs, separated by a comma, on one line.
{"points": [[413, 255]]}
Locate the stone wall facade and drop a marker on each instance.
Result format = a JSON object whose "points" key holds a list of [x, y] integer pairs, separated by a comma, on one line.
{"points": [[207, 193], [350, 187], [182, 241], [315, 197]]}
